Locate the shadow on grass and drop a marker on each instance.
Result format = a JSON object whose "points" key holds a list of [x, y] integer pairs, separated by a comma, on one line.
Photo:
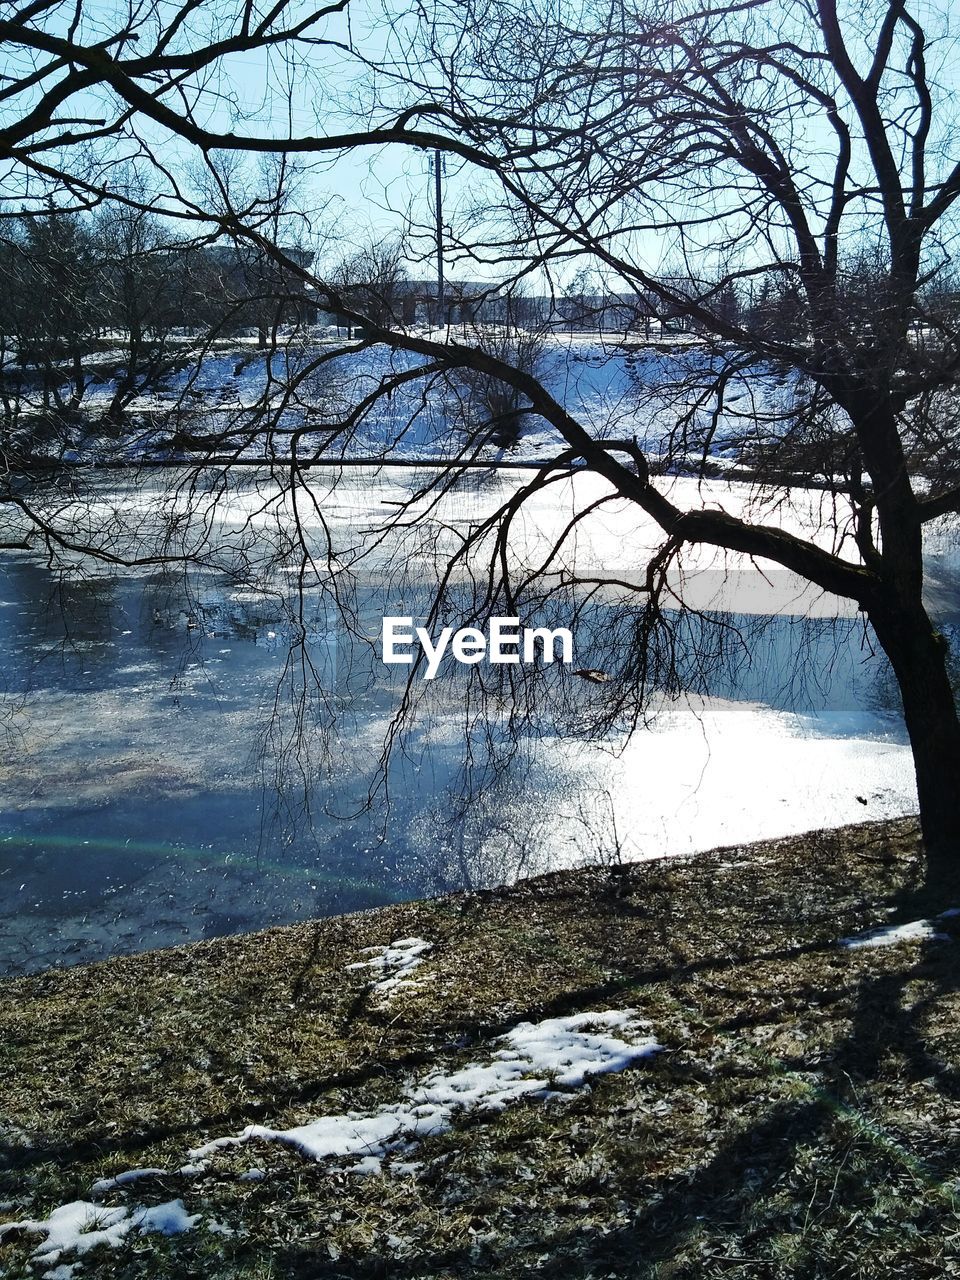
{"points": [[823, 1172], [812, 1188], [461, 1034]]}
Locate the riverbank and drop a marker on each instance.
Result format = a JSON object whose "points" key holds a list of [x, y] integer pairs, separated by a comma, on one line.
{"points": [[667, 1069]]}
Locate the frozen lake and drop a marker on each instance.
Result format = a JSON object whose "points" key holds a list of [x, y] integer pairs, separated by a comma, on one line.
{"points": [[197, 750]]}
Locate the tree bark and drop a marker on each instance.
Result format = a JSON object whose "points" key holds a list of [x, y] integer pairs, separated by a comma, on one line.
{"points": [[918, 655]]}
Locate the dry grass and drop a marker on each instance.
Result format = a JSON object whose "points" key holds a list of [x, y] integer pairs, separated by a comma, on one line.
{"points": [[802, 1120]]}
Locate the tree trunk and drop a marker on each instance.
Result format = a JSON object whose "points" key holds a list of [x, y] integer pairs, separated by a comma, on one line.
{"points": [[79, 382], [918, 655]]}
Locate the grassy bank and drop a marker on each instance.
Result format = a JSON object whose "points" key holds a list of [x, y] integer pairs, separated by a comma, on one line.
{"points": [[800, 1118]]}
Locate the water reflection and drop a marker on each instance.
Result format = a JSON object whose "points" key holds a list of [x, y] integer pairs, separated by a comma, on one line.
{"points": [[189, 753]]}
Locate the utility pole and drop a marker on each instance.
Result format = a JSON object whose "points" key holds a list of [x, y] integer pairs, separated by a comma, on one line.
{"points": [[438, 203]]}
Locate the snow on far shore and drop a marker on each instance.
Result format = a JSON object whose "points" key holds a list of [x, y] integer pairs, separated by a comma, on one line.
{"points": [[609, 533]]}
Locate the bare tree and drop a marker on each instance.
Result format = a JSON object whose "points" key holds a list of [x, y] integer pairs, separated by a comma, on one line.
{"points": [[696, 156], [144, 286], [810, 153], [55, 308], [372, 281]]}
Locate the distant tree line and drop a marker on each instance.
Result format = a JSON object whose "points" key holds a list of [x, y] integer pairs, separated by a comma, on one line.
{"points": [[113, 297]]}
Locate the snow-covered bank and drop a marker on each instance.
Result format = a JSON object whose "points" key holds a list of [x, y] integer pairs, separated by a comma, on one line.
{"points": [[614, 391]]}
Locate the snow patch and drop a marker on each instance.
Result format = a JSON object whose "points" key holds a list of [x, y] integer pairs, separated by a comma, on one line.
{"points": [[65, 1271], [218, 1228], [397, 961], [129, 1175], [890, 935], [533, 1058], [169, 1219], [80, 1226]]}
